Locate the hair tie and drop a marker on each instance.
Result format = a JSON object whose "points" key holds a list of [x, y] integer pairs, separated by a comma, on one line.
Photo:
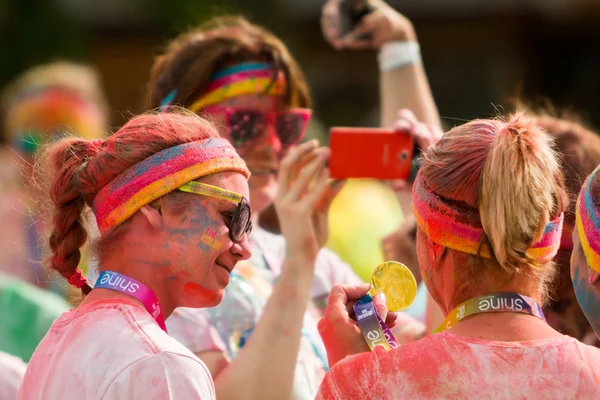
{"points": [[78, 279]]}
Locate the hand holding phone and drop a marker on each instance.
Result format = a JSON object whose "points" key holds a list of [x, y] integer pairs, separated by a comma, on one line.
{"points": [[363, 24], [370, 153], [350, 14]]}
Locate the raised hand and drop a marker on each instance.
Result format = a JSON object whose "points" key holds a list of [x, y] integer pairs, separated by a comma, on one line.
{"points": [[305, 194], [382, 25]]}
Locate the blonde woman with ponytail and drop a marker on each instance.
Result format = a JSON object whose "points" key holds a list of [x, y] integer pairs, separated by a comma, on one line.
{"points": [[489, 202]]}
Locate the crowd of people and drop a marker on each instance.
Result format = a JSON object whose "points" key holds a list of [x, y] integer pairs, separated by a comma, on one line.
{"points": [[193, 239]]}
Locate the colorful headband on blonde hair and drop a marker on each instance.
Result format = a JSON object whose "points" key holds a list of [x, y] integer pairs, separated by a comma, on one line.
{"points": [[247, 78], [587, 219], [160, 174], [457, 226]]}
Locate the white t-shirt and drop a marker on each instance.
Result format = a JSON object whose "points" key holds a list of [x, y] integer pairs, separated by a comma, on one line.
{"points": [[12, 370], [113, 349]]}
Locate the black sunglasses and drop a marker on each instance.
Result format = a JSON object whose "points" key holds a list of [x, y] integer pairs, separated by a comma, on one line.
{"points": [[241, 220]]}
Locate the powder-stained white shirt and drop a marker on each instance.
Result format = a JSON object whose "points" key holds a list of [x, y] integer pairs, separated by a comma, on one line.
{"points": [[448, 366], [113, 349]]}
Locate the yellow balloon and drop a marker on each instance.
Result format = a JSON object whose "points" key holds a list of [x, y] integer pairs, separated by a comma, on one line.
{"points": [[396, 282], [361, 215]]}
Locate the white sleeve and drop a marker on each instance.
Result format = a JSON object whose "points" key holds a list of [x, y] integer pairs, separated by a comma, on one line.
{"points": [[164, 375], [330, 269], [192, 328]]}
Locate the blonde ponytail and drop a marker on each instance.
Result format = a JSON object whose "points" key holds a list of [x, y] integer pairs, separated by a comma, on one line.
{"points": [[521, 190]]}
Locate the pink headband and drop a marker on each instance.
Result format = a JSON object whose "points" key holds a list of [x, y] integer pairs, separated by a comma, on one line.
{"points": [[160, 174], [587, 220], [457, 226]]}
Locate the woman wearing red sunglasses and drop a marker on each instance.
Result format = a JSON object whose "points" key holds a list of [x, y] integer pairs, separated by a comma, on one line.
{"points": [[245, 80]]}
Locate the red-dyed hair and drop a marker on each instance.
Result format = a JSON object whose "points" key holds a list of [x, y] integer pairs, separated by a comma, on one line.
{"points": [[80, 168]]}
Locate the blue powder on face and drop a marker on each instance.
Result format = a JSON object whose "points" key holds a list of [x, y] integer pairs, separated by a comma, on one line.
{"points": [[587, 299]]}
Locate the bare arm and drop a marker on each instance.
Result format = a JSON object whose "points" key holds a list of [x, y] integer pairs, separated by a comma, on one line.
{"points": [[264, 368], [407, 87], [402, 87]]}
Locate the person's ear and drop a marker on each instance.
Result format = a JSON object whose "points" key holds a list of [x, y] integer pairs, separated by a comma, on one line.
{"points": [[153, 216]]}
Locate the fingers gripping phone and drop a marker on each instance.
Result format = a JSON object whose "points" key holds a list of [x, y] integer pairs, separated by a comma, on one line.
{"points": [[351, 12], [370, 153]]}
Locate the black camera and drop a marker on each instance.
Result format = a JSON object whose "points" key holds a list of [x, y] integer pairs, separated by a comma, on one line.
{"points": [[351, 12]]}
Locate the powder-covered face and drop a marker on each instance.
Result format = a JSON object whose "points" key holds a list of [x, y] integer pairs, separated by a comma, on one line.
{"points": [[588, 293], [263, 157], [197, 246]]}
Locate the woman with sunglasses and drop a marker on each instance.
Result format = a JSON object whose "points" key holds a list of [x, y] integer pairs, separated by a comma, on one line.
{"points": [[168, 195], [244, 79], [170, 200]]}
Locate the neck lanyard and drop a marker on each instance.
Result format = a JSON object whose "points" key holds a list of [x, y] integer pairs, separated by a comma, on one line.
{"points": [[120, 283], [492, 303], [372, 327]]}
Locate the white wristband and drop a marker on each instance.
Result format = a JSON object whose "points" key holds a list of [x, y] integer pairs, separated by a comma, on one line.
{"points": [[398, 54]]}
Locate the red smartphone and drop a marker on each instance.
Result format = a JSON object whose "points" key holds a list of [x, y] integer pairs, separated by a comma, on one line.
{"points": [[370, 153]]}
